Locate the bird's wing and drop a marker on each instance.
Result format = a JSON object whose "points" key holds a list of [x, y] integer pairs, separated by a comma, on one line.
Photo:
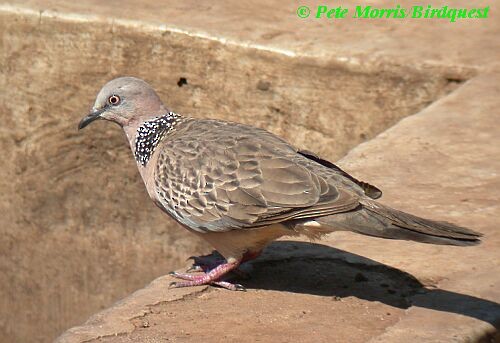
{"points": [[221, 176], [370, 190]]}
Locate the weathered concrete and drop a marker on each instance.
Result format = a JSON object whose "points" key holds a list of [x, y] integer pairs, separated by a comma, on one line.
{"points": [[274, 26], [445, 164], [71, 242]]}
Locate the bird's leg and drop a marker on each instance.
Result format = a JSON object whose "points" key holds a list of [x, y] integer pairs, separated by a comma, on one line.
{"points": [[230, 286], [206, 263], [223, 284], [212, 277], [213, 266], [250, 255]]}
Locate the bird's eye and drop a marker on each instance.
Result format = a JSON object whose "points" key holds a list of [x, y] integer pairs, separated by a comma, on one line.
{"points": [[114, 100]]}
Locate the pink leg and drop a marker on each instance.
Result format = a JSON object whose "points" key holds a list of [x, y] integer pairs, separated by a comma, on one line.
{"points": [[230, 286], [183, 276], [248, 256], [212, 277], [208, 262]]}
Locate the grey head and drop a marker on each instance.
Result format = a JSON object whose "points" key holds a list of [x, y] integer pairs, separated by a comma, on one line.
{"points": [[127, 101]]}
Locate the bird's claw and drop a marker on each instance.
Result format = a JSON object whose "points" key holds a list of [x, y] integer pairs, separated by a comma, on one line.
{"points": [[230, 286], [205, 263], [238, 287], [194, 269], [191, 258]]}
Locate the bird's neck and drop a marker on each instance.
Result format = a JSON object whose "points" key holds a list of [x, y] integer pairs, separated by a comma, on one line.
{"points": [[149, 134]]}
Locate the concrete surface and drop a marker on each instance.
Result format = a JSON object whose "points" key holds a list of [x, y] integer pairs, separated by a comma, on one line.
{"points": [[274, 26], [324, 86]]}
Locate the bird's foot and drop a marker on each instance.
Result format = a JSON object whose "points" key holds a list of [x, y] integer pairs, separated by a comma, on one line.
{"points": [[208, 278], [206, 263]]}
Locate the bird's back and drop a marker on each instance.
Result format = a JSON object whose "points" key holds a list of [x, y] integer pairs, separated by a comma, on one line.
{"points": [[216, 175]]}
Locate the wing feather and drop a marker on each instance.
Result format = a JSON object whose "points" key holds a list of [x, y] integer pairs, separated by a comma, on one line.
{"points": [[248, 179]]}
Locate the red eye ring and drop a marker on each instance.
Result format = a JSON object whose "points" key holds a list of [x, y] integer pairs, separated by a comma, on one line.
{"points": [[114, 100]]}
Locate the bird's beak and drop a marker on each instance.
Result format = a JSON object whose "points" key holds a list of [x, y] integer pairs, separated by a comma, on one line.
{"points": [[94, 115]]}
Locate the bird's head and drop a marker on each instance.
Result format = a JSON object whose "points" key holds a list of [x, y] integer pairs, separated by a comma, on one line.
{"points": [[125, 101]]}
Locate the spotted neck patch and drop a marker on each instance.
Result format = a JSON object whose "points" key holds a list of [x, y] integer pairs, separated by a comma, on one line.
{"points": [[150, 134]]}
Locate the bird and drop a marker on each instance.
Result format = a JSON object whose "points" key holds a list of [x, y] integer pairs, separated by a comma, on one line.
{"points": [[240, 187]]}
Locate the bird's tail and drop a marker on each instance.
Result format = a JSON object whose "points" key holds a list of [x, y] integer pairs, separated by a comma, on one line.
{"points": [[374, 219]]}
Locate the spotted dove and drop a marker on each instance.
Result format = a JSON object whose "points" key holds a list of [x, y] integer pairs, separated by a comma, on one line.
{"points": [[241, 187]]}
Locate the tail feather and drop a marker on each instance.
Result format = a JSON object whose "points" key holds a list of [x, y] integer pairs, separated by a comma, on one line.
{"points": [[375, 219]]}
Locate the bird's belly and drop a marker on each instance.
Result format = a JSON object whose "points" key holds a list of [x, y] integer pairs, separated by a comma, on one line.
{"points": [[235, 243]]}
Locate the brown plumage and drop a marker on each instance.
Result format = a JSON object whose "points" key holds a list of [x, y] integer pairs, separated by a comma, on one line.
{"points": [[240, 187]]}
